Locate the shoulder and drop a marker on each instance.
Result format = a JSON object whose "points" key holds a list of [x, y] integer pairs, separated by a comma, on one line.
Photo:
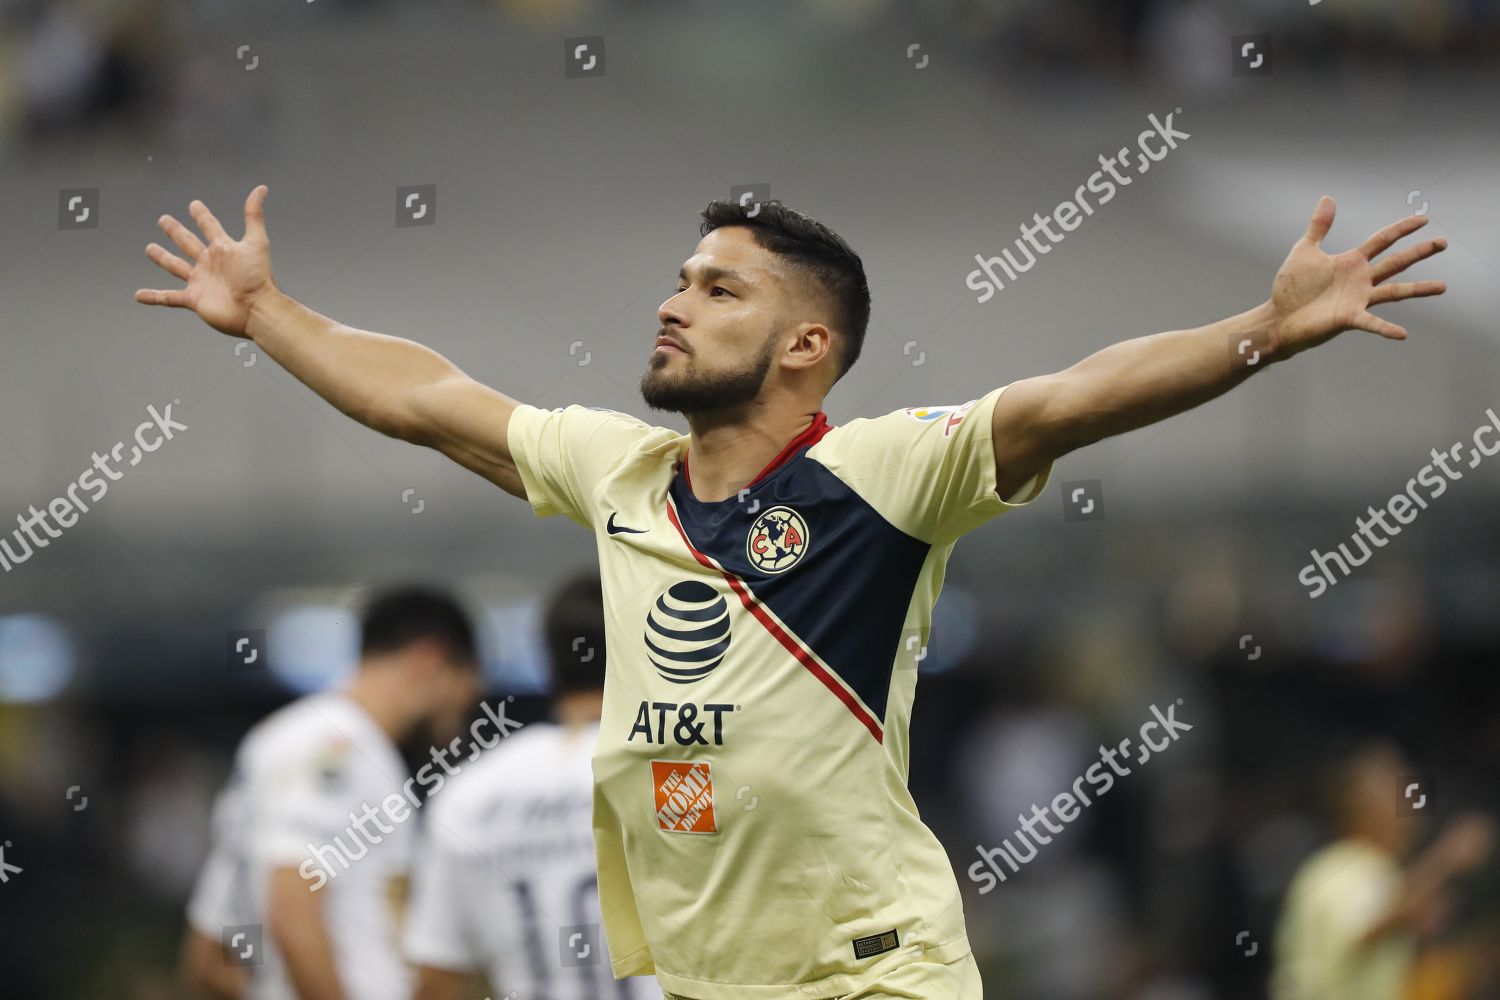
{"points": [[532, 743], [584, 416], [1331, 871], [283, 731], [912, 425], [498, 774], [320, 736]]}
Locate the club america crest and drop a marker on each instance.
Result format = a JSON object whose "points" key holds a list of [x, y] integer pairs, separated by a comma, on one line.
{"points": [[777, 540]]}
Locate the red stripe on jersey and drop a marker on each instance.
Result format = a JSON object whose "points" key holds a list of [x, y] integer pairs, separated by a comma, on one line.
{"points": [[794, 647], [809, 437]]}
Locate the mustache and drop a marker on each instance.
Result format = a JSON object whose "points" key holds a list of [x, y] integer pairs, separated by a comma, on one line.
{"points": [[673, 337]]}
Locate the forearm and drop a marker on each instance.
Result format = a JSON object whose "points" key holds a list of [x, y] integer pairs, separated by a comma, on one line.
{"points": [[205, 968], [296, 923], [1424, 880], [308, 954], [368, 376], [441, 984], [1141, 381]]}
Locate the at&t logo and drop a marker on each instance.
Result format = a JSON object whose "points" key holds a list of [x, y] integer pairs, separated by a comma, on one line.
{"points": [[687, 632]]}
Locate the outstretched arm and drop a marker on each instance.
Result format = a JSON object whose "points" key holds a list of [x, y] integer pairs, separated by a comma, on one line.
{"points": [[1461, 848], [394, 386], [1314, 297]]}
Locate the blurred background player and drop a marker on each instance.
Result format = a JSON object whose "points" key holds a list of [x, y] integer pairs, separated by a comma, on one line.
{"points": [[505, 878], [303, 778], [220, 899], [1350, 925]]}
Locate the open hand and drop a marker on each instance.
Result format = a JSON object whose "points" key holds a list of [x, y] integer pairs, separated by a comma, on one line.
{"points": [[226, 276], [1316, 295], [1466, 843]]}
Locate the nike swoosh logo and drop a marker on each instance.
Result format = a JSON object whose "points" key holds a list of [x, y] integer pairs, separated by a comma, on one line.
{"points": [[615, 529]]}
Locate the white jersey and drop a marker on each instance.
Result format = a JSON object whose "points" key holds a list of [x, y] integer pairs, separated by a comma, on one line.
{"points": [[505, 879], [298, 776], [221, 897]]}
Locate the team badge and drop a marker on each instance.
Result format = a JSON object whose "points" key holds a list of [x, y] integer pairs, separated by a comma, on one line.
{"points": [[332, 765], [687, 631], [951, 416], [777, 541]]}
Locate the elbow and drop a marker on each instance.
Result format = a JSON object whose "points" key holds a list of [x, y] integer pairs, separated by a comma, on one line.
{"points": [[1060, 421], [1078, 412], [392, 421]]}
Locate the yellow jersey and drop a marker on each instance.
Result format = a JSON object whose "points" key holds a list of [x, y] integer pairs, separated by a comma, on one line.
{"points": [[1335, 896], [754, 833]]}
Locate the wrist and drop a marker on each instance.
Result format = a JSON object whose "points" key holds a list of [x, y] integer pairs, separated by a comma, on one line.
{"points": [[263, 310], [1265, 329]]}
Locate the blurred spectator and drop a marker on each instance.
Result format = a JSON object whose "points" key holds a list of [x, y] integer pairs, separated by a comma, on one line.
{"points": [[1353, 918]]}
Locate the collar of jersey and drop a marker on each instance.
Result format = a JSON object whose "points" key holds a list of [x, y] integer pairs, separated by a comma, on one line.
{"points": [[807, 438], [340, 701]]}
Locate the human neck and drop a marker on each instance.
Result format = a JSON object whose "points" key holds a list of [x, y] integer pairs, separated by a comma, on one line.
{"points": [[1380, 837], [725, 455], [373, 689], [578, 708]]}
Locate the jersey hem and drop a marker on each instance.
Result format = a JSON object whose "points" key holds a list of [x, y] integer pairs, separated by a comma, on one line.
{"points": [[637, 963], [828, 988]]}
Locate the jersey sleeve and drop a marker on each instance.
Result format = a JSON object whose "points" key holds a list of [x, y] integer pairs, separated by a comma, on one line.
{"points": [[304, 801], [563, 453], [929, 470], [437, 932], [217, 900], [1347, 906]]}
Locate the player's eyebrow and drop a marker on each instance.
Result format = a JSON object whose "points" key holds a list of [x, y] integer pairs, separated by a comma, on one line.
{"points": [[712, 273]]}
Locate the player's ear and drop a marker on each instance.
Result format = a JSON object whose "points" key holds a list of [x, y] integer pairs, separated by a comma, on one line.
{"points": [[812, 344]]}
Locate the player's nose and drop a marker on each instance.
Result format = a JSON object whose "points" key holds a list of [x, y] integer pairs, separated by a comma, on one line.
{"points": [[671, 314]]}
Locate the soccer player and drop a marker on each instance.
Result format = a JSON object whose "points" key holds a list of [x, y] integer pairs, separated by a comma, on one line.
{"points": [[219, 901], [302, 870], [769, 577], [1350, 921], [504, 879]]}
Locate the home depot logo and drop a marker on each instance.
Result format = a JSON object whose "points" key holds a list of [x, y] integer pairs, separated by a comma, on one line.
{"points": [[684, 796]]}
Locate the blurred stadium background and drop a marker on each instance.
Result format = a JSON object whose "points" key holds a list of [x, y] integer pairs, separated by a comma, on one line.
{"points": [[564, 208]]}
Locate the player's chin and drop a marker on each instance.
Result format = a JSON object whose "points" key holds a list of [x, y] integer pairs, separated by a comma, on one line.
{"points": [[661, 357], [660, 373], [668, 393]]}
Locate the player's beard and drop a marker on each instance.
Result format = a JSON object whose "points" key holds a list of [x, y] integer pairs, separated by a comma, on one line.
{"points": [[690, 391]]}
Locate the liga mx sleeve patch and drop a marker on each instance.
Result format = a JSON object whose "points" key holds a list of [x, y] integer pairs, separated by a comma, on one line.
{"points": [[876, 944]]}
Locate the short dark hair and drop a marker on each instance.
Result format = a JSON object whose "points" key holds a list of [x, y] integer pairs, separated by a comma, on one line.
{"points": [[818, 252], [573, 629], [396, 617]]}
